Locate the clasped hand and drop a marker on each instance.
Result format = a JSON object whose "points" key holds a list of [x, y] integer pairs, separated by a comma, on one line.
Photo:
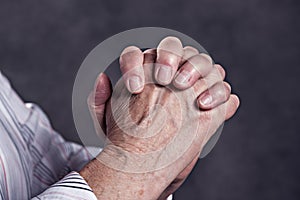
{"points": [[157, 120]]}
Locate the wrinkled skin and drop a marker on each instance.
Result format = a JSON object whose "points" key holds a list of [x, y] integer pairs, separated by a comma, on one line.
{"points": [[140, 124], [156, 136], [153, 120]]}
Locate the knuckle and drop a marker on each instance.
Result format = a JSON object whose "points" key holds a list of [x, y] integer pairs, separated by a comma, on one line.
{"points": [[150, 51], [214, 77], [132, 55], [227, 87], [206, 57], [130, 49], [201, 64], [172, 45], [167, 58], [188, 52], [221, 70], [235, 101], [190, 49], [225, 91], [221, 91], [171, 39]]}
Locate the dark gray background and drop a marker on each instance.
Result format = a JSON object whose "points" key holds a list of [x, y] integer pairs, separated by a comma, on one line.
{"points": [[42, 44]]}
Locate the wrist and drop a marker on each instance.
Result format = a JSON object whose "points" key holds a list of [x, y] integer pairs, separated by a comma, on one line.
{"points": [[109, 183]]}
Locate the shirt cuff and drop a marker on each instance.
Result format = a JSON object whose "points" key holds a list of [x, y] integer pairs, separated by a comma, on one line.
{"points": [[71, 187]]}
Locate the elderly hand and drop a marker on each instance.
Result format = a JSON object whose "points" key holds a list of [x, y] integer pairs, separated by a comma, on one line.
{"points": [[163, 120]]}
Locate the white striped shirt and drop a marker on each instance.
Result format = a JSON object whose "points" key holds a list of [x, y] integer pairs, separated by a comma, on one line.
{"points": [[35, 161]]}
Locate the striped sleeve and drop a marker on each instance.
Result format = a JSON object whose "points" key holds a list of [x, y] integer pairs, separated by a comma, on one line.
{"points": [[71, 187], [34, 158], [35, 161]]}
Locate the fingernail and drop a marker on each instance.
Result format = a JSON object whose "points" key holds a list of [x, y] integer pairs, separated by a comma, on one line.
{"points": [[134, 83], [164, 74], [183, 77], [206, 99]]}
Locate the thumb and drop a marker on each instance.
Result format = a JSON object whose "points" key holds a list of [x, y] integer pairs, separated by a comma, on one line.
{"points": [[97, 100]]}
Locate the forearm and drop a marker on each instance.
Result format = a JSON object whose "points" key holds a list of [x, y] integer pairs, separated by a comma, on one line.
{"points": [[108, 183]]}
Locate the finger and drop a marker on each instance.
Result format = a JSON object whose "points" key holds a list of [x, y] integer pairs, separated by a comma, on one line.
{"points": [[225, 111], [221, 70], [102, 89], [231, 106], [214, 96], [219, 114], [188, 52], [149, 56], [195, 67], [131, 65], [98, 98], [169, 53], [216, 75], [149, 62]]}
